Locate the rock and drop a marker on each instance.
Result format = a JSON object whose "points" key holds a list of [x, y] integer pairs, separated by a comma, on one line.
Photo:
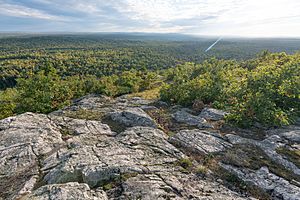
{"points": [[269, 146], [27, 138], [23, 139], [133, 117], [199, 141], [279, 187], [290, 133], [174, 186], [183, 116], [137, 150], [88, 132], [68, 191], [91, 102], [59, 156], [212, 114]]}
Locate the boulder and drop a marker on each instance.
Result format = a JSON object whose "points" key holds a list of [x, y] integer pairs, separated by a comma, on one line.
{"points": [[212, 114], [183, 116], [133, 117]]}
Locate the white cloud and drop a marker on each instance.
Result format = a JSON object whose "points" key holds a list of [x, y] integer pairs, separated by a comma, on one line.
{"points": [[206, 17], [22, 11]]}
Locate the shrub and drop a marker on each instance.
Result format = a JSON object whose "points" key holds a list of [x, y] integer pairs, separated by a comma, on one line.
{"points": [[7, 103], [265, 90]]}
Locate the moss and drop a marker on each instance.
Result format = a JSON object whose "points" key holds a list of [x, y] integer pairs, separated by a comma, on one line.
{"points": [[186, 163], [162, 118], [126, 176], [66, 133], [117, 181], [108, 186], [292, 155]]}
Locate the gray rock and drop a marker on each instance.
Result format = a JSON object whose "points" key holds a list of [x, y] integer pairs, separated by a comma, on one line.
{"points": [[139, 149], [199, 141], [290, 133], [212, 114], [183, 116], [87, 132], [174, 186], [29, 138], [133, 117], [92, 101], [57, 157], [279, 187], [23, 140], [269, 146], [133, 101], [68, 191]]}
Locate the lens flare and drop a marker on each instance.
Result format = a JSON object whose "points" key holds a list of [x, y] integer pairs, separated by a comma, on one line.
{"points": [[211, 46]]}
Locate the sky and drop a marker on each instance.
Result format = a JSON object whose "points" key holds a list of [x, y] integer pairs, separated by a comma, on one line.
{"points": [[249, 18]]}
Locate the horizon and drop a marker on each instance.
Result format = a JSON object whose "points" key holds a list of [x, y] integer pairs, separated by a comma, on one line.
{"points": [[145, 34], [200, 18]]}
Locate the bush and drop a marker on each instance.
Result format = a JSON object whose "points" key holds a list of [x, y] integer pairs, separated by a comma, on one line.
{"points": [[7, 103], [265, 90], [43, 92]]}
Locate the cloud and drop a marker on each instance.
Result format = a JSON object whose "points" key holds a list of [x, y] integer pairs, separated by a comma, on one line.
{"points": [[23, 11], [210, 17]]}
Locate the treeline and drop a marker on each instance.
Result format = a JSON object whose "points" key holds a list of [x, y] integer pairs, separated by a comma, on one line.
{"points": [[105, 55]]}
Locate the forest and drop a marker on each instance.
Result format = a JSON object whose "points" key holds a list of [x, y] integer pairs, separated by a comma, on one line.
{"points": [[255, 80]]}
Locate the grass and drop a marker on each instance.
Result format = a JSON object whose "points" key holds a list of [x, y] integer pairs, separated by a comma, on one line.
{"points": [[201, 170], [147, 94]]}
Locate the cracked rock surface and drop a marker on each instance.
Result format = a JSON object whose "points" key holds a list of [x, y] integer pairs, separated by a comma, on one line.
{"points": [[104, 148]]}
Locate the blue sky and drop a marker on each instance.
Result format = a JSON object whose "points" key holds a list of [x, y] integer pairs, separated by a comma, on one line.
{"points": [[262, 18]]}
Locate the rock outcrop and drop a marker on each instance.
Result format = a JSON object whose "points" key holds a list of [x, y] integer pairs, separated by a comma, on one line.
{"points": [[279, 187], [202, 142], [104, 148]]}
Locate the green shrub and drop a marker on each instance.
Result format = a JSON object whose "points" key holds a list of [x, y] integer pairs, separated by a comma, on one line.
{"points": [[7, 103], [265, 90], [42, 93]]}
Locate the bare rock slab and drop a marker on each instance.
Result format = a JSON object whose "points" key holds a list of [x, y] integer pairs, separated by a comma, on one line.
{"points": [[68, 191], [277, 186], [199, 141]]}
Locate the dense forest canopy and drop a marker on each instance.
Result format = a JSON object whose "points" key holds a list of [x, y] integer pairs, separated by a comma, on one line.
{"points": [[41, 73], [105, 54]]}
